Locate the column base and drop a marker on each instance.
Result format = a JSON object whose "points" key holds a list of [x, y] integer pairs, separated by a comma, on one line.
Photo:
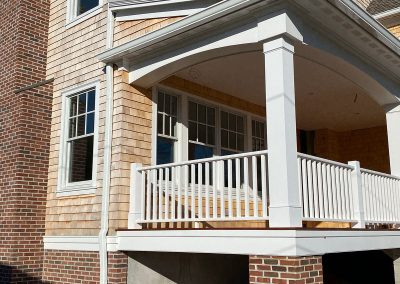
{"points": [[285, 217]]}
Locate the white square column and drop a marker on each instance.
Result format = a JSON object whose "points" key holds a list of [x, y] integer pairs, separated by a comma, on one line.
{"points": [[393, 131], [285, 206]]}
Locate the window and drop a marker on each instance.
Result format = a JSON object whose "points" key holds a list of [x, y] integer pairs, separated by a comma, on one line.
{"points": [[258, 135], [201, 131], [80, 10], [78, 147], [167, 116], [232, 133]]}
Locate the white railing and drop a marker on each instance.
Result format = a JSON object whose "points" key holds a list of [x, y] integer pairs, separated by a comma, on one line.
{"points": [[381, 194], [235, 188], [326, 189], [230, 188]]}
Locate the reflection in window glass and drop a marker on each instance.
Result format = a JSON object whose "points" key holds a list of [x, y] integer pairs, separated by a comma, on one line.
{"points": [[165, 151], [232, 132], [85, 5], [81, 123]]}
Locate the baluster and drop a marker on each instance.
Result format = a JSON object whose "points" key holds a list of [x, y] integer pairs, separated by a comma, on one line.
{"points": [[215, 184], [193, 191], [264, 185], [207, 189], [173, 186], [230, 206], [148, 195], [255, 186], [238, 193], [160, 193], [246, 186], [200, 190], [186, 191], [342, 197], [330, 193], [325, 192], [306, 207], [320, 192], [180, 180], [310, 189], [166, 197]]}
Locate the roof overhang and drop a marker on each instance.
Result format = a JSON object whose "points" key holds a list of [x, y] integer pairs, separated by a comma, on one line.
{"points": [[357, 37]]}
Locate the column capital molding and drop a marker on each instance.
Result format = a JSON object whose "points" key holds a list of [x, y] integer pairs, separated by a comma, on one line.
{"points": [[278, 44], [391, 108]]}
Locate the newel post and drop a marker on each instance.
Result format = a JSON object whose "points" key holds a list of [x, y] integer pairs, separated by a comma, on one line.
{"points": [[136, 194], [358, 199]]}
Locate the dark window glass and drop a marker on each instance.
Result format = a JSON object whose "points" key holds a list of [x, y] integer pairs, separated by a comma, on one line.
{"points": [[91, 101], [165, 151], [85, 5], [90, 123], [196, 152], [81, 159]]}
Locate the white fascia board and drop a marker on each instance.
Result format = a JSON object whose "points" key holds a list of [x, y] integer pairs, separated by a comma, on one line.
{"points": [[78, 243], [258, 242]]}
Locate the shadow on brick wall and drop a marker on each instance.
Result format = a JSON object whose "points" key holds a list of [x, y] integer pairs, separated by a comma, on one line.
{"points": [[11, 275]]}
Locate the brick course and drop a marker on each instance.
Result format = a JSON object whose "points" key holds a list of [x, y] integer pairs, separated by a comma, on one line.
{"points": [[24, 138], [82, 267], [285, 270]]}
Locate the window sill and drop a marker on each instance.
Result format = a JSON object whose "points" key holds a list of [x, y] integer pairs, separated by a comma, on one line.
{"points": [[81, 188], [81, 18]]}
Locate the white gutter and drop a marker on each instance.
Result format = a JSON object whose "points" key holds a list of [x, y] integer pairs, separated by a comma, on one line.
{"points": [[105, 200]]}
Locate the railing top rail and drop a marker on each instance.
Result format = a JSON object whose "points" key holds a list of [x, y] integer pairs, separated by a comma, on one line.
{"points": [[378, 174], [325, 161], [213, 159]]}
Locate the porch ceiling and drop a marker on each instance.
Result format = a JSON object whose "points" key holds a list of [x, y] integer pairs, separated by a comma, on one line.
{"points": [[324, 97]]}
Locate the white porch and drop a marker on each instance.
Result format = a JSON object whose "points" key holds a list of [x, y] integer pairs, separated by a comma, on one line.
{"points": [[278, 187]]}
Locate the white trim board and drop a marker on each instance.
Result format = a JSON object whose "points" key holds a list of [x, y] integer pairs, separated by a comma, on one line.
{"points": [[77, 243], [258, 242]]}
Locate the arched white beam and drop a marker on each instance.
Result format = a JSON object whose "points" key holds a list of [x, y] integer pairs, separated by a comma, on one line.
{"points": [[351, 62], [244, 36]]}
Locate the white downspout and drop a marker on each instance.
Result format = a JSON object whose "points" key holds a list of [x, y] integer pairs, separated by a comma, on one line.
{"points": [[105, 200]]}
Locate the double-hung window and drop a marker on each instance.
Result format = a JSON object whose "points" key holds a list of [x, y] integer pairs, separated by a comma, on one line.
{"points": [[78, 149], [202, 122], [232, 133], [167, 117]]}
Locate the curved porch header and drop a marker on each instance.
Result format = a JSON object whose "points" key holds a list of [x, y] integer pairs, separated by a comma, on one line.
{"points": [[237, 26]]}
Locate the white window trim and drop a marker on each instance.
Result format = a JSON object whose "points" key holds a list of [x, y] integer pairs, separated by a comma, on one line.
{"points": [[64, 188], [183, 137], [73, 20]]}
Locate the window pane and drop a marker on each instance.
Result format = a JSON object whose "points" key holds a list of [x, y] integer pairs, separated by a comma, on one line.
{"points": [[173, 126], [160, 103], [85, 5], [224, 120], [81, 125], [192, 111], [165, 151], [167, 105], [82, 103], [240, 124], [224, 139], [232, 140], [72, 128], [211, 135], [210, 116], [160, 123], [192, 131], [73, 106], [197, 151], [81, 160], [167, 129], [202, 133], [90, 123], [91, 101], [202, 113], [174, 106], [240, 142], [232, 122]]}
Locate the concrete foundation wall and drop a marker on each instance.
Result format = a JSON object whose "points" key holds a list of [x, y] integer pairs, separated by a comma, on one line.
{"points": [[169, 268]]}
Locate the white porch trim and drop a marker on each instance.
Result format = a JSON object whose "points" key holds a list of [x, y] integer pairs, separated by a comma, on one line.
{"points": [[258, 242], [78, 243]]}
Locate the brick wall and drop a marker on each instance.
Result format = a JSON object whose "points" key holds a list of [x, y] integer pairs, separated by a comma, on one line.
{"points": [[285, 270], [82, 267], [24, 138]]}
